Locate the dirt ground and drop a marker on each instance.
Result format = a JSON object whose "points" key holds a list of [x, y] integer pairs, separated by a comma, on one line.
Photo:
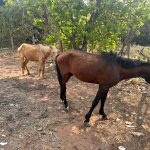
{"points": [[32, 116]]}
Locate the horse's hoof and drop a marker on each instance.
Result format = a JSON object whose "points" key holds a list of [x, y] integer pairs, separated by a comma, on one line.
{"points": [[104, 118], [67, 109], [86, 124]]}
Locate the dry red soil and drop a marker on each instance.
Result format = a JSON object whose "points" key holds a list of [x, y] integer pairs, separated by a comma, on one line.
{"points": [[32, 116]]}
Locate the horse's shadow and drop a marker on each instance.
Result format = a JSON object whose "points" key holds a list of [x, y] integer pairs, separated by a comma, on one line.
{"points": [[141, 138], [141, 142]]}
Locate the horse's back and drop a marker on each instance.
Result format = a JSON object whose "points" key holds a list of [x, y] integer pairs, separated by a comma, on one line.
{"points": [[30, 52], [86, 67], [27, 47]]}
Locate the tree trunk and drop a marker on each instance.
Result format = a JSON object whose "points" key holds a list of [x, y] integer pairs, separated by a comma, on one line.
{"points": [[33, 40], [93, 18], [127, 40], [84, 44], [12, 43], [60, 45], [73, 40], [128, 49]]}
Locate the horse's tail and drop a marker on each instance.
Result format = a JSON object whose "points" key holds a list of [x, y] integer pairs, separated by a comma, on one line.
{"points": [[20, 48], [20, 51], [59, 76]]}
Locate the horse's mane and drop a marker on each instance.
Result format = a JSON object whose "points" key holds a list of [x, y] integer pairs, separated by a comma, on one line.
{"points": [[124, 62]]}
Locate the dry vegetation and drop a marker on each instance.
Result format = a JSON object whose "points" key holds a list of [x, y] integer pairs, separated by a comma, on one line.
{"points": [[135, 52], [32, 116]]}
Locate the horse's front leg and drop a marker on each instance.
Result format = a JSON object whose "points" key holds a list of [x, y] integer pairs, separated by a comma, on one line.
{"points": [[43, 68], [40, 69], [101, 94], [94, 104]]}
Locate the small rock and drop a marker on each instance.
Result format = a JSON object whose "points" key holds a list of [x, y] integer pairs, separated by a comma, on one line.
{"points": [[128, 123], [121, 148], [59, 107], [17, 105], [51, 65], [3, 143], [140, 117], [137, 134], [82, 98], [11, 105], [40, 129], [130, 126], [75, 130], [49, 108], [117, 119]]}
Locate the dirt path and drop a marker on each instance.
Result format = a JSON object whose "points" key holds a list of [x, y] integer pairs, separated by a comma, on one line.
{"points": [[32, 116]]}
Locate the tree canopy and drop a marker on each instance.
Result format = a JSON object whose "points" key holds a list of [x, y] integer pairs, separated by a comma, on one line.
{"points": [[81, 24]]}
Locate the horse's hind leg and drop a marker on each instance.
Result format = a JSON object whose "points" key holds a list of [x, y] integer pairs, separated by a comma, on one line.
{"points": [[25, 66], [63, 94], [22, 64], [62, 91], [43, 69], [103, 99], [65, 78]]}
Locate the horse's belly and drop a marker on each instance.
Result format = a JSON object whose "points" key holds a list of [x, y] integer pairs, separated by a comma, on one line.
{"points": [[32, 57], [87, 78]]}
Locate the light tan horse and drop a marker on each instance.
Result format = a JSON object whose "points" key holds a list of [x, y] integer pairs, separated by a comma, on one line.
{"points": [[39, 53]]}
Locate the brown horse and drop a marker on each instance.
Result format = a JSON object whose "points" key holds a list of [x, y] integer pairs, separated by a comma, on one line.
{"points": [[105, 69]]}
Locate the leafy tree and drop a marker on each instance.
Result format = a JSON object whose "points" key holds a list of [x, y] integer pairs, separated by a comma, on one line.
{"points": [[96, 25], [144, 37]]}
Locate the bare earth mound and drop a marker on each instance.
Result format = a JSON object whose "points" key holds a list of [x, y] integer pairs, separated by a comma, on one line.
{"points": [[32, 116]]}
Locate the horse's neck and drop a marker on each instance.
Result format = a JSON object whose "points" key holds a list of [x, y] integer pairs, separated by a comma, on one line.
{"points": [[141, 71], [145, 71], [45, 49]]}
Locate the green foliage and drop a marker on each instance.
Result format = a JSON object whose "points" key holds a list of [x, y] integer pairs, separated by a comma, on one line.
{"points": [[143, 38], [97, 25]]}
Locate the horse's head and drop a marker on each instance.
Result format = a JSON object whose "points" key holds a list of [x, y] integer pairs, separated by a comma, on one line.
{"points": [[54, 51], [147, 80]]}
